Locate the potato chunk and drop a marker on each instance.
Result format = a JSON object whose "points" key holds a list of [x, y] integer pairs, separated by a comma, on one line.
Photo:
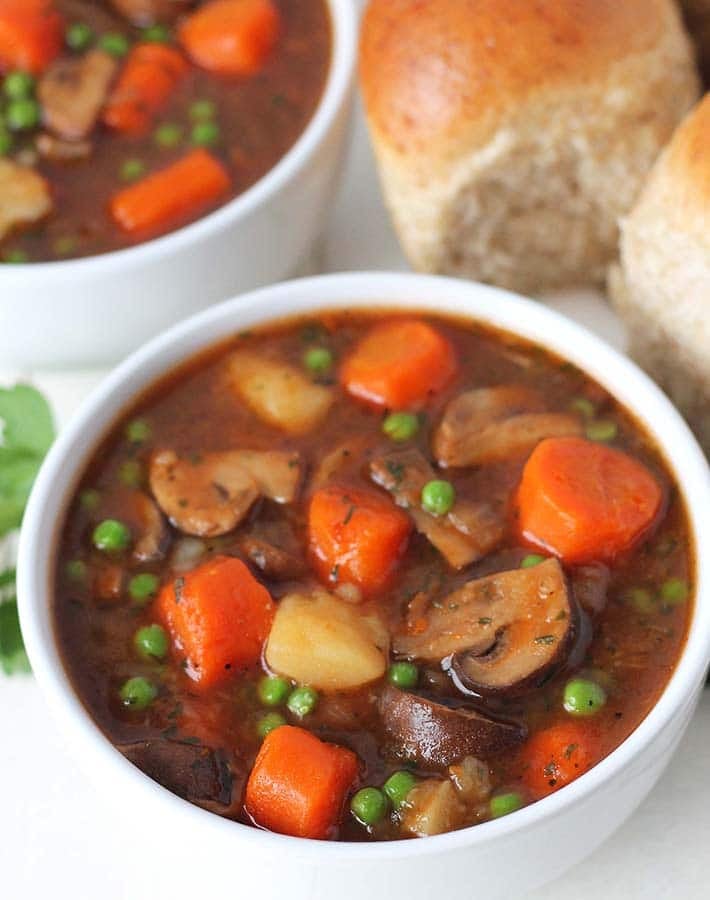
{"points": [[322, 641], [433, 807], [278, 393], [24, 196]]}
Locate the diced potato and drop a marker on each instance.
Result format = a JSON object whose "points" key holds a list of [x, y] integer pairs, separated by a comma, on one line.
{"points": [[24, 196], [278, 393], [472, 779], [433, 807], [322, 641]]}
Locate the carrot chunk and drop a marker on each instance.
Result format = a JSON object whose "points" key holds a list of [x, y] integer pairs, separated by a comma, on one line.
{"points": [[231, 37], [148, 78], [584, 501], [356, 537], [399, 365], [556, 756], [299, 784], [171, 195], [31, 34], [219, 616]]}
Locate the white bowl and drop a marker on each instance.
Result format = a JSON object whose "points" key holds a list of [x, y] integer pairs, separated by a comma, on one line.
{"points": [[94, 311], [196, 853]]}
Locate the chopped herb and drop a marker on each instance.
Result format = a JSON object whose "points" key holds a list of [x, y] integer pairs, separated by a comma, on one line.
{"points": [[349, 516], [334, 573], [545, 639], [485, 620], [178, 587], [396, 470], [569, 750], [561, 616]]}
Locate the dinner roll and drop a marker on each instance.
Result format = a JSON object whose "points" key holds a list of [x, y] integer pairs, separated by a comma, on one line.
{"points": [[512, 136], [697, 13], [662, 287]]}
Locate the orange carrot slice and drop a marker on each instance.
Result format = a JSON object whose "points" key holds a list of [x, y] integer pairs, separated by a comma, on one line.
{"points": [[585, 501], [31, 35], [556, 756], [399, 365], [219, 616], [171, 195], [148, 78], [299, 784], [231, 37]]}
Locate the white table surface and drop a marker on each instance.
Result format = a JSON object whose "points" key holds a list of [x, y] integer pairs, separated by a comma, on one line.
{"points": [[58, 840]]}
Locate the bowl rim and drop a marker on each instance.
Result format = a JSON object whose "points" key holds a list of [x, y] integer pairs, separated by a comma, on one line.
{"points": [[337, 87], [365, 290]]}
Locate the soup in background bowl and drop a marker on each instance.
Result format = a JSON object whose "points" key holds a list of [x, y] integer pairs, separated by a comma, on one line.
{"points": [[383, 570], [185, 202]]}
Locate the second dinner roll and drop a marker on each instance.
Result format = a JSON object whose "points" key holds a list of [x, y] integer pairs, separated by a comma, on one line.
{"points": [[662, 288], [511, 136]]}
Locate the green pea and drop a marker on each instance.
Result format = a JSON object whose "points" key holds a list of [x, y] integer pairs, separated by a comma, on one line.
{"points": [[403, 675], [532, 560], [138, 693], [138, 431], [268, 723], [602, 431], [90, 500], [583, 697], [156, 34], [398, 786], [584, 407], [273, 691], [115, 44], [438, 497], [18, 85], [132, 169], [401, 426], [131, 473], [75, 570], [504, 804], [15, 257], [201, 110], [111, 536], [642, 599], [674, 592], [143, 587], [79, 36], [168, 135], [318, 360], [5, 141], [22, 114], [151, 642], [369, 806], [302, 701], [64, 246], [205, 134]]}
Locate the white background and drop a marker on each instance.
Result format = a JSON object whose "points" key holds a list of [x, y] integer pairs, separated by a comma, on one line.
{"points": [[57, 840]]}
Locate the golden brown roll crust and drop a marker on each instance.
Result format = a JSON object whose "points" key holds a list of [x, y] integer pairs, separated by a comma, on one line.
{"points": [[435, 74], [463, 95], [662, 287]]}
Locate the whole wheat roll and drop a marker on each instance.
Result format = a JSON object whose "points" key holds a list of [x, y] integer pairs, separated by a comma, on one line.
{"points": [[662, 286], [512, 136]]}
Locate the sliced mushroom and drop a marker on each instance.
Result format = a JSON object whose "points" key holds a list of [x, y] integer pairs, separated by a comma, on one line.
{"points": [[211, 494], [58, 150], [153, 534], [590, 586], [280, 394], [25, 196], [147, 12], [490, 424], [433, 734], [274, 562], [72, 92], [192, 771], [334, 462], [466, 534], [506, 632]]}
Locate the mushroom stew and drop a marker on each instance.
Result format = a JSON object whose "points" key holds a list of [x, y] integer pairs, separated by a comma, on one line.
{"points": [[373, 576]]}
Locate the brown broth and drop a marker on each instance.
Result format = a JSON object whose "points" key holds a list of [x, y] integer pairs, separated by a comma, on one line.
{"points": [[194, 411]]}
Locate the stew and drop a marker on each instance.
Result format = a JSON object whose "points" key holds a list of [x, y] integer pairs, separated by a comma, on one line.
{"points": [[122, 120], [372, 576]]}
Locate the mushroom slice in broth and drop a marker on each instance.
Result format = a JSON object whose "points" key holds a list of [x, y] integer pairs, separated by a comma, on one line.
{"points": [[507, 632]]}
